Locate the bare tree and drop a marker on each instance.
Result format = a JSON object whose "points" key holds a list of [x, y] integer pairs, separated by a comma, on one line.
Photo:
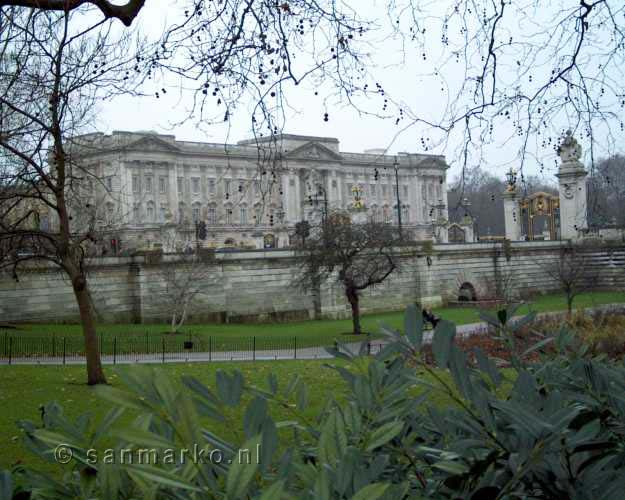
{"points": [[54, 72], [572, 271], [185, 281], [187, 277], [357, 256]]}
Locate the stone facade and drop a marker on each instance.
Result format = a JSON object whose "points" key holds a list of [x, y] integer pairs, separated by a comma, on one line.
{"points": [[154, 188], [256, 285]]}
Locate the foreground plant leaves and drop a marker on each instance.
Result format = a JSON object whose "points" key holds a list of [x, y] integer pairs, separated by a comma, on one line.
{"points": [[549, 429]]}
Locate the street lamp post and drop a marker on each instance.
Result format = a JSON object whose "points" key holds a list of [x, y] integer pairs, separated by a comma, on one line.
{"points": [[396, 168]]}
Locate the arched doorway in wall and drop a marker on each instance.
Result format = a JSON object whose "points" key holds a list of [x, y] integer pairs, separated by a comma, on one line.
{"points": [[466, 293]]}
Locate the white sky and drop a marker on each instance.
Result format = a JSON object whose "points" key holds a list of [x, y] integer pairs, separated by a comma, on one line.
{"points": [[355, 132]]}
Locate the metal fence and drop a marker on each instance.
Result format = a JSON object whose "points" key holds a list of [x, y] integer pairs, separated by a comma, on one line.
{"points": [[64, 349]]}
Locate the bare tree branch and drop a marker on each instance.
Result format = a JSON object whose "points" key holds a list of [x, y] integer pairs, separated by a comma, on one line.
{"points": [[125, 13]]}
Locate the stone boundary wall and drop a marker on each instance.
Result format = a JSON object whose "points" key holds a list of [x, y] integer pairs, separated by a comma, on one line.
{"points": [[257, 285], [484, 265]]}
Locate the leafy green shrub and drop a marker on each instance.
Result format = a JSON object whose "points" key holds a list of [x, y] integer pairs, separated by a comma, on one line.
{"points": [[551, 430]]}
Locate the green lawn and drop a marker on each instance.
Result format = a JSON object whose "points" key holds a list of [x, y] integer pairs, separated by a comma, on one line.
{"points": [[150, 338], [321, 328], [24, 388], [541, 303]]}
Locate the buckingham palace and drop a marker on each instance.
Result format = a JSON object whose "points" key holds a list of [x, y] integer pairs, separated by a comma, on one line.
{"points": [[155, 191]]}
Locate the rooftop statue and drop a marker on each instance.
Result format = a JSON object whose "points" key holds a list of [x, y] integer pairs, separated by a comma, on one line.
{"points": [[569, 150]]}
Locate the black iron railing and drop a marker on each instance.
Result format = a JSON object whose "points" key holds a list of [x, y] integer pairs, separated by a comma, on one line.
{"points": [[148, 347]]}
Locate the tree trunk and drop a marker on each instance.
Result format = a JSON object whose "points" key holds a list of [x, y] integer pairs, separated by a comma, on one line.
{"points": [[172, 329], [95, 374], [352, 296]]}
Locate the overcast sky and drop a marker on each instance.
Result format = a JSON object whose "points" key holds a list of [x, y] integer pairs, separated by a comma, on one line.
{"points": [[403, 74]]}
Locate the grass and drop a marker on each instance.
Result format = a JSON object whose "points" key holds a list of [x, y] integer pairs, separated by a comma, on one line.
{"points": [[41, 340], [315, 332], [541, 303], [334, 328], [25, 388]]}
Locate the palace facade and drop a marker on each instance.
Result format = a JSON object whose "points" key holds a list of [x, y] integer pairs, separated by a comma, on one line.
{"points": [[154, 190]]}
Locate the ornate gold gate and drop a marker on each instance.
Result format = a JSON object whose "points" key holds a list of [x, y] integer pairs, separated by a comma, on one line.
{"points": [[541, 204]]}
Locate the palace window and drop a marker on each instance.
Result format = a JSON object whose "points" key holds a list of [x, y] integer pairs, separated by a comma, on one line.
{"points": [[195, 185], [258, 215], [195, 212], [136, 215], [374, 213], [162, 184], [228, 215], [384, 190], [227, 186], [181, 210], [148, 184], [163, 213], [387, 214], [211, 186], [109, 184], [373, 190], [136, 186], [150, 212], [212, 215], [243, 215], [404, 213], [180, 185]]}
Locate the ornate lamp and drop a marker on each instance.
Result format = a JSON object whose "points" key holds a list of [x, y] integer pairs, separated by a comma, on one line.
{"points": [[511, 177], [357, 194]]}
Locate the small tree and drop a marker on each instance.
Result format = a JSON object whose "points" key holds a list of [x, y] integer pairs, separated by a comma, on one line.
{"points": [[187, 278], [355, 255], [571, 271]]}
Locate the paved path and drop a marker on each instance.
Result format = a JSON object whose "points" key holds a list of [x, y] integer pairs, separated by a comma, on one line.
{"points": [[272, 355]]}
